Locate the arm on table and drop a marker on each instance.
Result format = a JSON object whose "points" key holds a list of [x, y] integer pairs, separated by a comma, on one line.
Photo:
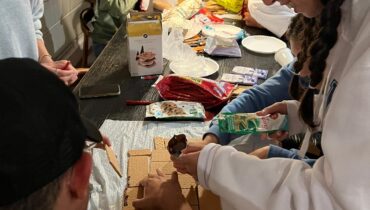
{"points": [[247, 182], [274, 89]]}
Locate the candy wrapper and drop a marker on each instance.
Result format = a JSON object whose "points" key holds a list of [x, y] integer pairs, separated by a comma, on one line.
{"points": [[175, 110], [208, 92], [260, 73], [239, 79], [250, 123]]}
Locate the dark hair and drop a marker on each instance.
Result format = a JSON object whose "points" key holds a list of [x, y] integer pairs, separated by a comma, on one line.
{"points": [[42, 199], [305, 30], [295, 29], [319, 51]]}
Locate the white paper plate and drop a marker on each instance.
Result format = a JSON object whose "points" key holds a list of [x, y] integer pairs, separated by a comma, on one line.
{"points": [[263, 44], [226, 31], [210, 68]]}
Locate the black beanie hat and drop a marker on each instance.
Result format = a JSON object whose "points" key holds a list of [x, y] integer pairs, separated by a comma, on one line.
{"points": [[41, 132]]}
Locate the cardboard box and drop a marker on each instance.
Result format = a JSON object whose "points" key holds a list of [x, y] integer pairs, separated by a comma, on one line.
{"points": [[144, 34]]}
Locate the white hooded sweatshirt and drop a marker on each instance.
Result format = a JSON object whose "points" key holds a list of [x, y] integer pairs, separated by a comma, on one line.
{"points": [[338, 180]]}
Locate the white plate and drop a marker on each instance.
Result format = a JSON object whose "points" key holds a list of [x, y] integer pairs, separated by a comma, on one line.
{"points": [[210, 68], [226, 31], [263, 44]]}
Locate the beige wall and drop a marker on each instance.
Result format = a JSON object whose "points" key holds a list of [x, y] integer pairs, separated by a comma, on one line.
{"points": [[61, 28]]}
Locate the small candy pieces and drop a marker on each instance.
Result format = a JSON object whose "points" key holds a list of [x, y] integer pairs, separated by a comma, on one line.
{"points": [[176, 144]]}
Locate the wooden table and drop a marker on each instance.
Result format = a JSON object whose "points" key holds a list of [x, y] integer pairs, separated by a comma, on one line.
{"points": [[112, 67]]}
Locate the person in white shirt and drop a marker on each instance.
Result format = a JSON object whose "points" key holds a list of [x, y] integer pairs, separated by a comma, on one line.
{"points": [[275, 18], [339, 64], [21, 37]]}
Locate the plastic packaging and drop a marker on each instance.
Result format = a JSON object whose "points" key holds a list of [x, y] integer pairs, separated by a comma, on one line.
{"points": [[208, 92], [240, 79], [175, 110], [250, 123], [175, 50], [218, 46], [179, 15], [231, 5]]}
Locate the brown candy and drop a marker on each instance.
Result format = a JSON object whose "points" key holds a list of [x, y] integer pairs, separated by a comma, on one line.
{"points": [[176, 144]]}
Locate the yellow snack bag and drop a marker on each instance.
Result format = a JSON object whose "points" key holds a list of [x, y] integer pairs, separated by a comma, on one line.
{"points": [[231, 5]]}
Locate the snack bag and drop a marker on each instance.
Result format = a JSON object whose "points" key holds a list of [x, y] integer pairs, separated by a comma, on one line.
{"points": [[175, 110], [208, 92], [231, 5], [250, 123]]}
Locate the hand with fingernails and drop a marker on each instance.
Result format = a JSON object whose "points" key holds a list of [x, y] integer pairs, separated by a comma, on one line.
{"points": [[161, 193], [63, 69], [273, 111]]}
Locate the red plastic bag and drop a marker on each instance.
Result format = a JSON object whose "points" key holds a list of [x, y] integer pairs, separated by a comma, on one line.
{"points": [[210, 93]]}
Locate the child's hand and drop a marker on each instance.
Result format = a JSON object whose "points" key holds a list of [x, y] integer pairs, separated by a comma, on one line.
{"points": [[196, 146], [63, 69], [187, 164], [162, 193], [274, 110]]}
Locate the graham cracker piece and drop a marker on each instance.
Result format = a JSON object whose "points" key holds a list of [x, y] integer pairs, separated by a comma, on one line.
{"points": [[195, 139], [131, 194], [166, 143], [187, 181], [140, 152], [166, 167], [129, 207], [138, 168], [160, 155], [113, 160], [240, 89], [208, 200], [155, 165], [191, 196], [159, 143]]}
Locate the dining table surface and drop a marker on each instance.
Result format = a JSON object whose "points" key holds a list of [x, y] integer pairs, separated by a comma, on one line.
{"points": [[112, 67]]}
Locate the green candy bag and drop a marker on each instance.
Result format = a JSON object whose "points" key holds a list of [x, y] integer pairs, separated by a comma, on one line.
{"points": [[250, 123]]}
